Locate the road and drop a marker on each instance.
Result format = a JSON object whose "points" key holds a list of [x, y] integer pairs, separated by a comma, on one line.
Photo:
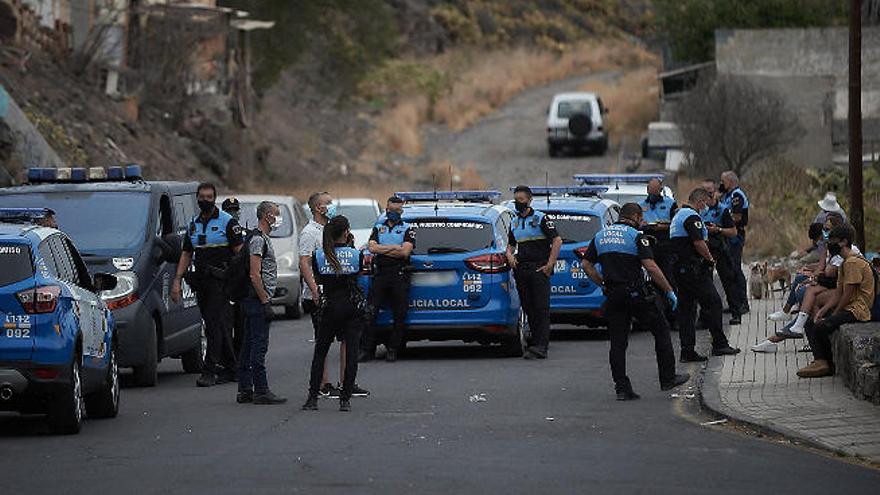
{"points": [[509, 146], [545, 427]]}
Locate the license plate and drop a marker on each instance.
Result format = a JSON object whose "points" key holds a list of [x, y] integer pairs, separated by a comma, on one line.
{"points": [[434, 279]]}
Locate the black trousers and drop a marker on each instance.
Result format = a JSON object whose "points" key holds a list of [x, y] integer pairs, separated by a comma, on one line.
{"points": [[339, 319], [534, 296], [217, 313], [819, 334], [736, 258], [729, 281], [238, 328], [620, 310], [695, 285], [389, 289]]}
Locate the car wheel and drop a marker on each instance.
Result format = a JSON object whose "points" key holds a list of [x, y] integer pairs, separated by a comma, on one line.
{"points": [[193, 360], [147, 374], [552, 150], [105, 402], [66, 411], [513, 343]]}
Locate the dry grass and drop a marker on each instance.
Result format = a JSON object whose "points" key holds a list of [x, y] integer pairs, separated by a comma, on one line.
{"points": [[633, 100]]}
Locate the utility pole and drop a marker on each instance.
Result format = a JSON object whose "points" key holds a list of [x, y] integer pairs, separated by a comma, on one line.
{"points": [[857, 209]]}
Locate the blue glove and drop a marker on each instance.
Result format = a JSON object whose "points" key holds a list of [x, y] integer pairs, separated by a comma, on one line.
{"points": [[673, 300]]}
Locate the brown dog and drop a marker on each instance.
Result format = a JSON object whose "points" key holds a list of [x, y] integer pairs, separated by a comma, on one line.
{"points": [[777, 274]]}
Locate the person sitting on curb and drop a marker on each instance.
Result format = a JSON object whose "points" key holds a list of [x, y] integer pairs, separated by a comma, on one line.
{"points": [[855, 287]]}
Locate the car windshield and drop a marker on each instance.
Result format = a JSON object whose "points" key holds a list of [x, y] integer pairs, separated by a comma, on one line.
{"points": [[359, 216], [446, 235], [623, 199], [15, 263], [102, 223], [574, 227], [570, 107], [248, 220]]}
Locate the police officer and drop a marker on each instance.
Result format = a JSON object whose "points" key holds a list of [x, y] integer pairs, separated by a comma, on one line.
{"points": [[719, 223], [693, 270], [392, 242], [336, 266], [737, 202], [233, 207], [657, 211], [623, 251], [212, 238], [536, 243]]}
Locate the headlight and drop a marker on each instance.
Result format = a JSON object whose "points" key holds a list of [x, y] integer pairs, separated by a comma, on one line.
{"points": [[124, 293]]}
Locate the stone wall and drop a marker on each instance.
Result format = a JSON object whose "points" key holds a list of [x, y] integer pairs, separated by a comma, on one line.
{"points": [[857, 359]]}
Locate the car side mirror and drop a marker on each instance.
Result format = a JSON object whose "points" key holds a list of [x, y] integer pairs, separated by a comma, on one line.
{"points": [[168, 248], [104, 281]]}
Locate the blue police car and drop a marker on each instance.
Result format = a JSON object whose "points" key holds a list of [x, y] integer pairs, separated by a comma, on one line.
{"points": [[578, 214], [58, 344], [462, 286]]}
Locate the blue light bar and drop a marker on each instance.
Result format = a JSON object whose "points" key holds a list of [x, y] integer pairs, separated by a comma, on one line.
{"points": [[616, 178], [115, 173], [24, 214], [481, 196], [569, 190], [133, 171], [35, 174], [78, 175]]}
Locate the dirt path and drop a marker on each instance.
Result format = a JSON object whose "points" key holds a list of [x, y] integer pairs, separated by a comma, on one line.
{"points": [[508, 147]]}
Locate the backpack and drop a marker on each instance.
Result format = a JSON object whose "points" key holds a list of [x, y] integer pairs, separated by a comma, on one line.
{"points": [[237, 280]]}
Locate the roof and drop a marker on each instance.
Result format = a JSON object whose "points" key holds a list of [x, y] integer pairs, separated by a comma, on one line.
{"points": [[24, 231], [574, 96], [481, 211], [104, 186]]}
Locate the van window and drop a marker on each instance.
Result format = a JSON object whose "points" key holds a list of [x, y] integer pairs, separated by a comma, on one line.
{"points": [[184, 211], [165, 225], [15, 263]]}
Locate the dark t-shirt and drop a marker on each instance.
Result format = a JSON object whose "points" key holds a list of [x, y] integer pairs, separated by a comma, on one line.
{"points": [[390, 262], [684, 246], [213, 256], [620, 268], [534, 251]]}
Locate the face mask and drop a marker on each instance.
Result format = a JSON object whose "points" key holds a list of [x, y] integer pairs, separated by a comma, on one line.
{"points": [[520, 206], [654, 198], [393, 216], [276, 224], [722, 188], [834, 249], [331, 211], [206, 206], [825, 234]]}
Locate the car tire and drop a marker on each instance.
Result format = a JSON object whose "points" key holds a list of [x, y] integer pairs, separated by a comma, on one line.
{"points": [[513, 342], [552, 150], [580, 124], [66, 410], [147, 374], [193, 360], [105, 402]]}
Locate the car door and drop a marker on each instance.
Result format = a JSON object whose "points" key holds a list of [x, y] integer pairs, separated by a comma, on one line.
{"points": [[184, 212]]}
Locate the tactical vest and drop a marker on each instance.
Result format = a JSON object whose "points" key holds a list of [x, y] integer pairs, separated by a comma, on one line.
{"points": [[211, 234], [349, 262], [617, 238], [676, 228], [660, 211], [528, 228]]}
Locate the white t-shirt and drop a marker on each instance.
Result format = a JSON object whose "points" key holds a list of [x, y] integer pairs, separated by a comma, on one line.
{"points": [[838, 259], [310, 240]]}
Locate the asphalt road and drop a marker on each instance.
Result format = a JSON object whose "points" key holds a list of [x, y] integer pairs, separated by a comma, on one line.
{"points": [[545, 427]]}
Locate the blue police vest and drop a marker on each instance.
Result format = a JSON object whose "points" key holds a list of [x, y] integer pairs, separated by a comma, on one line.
{"points": [[214, 231], [676, 228], [349, 261], [714, 215], [660, 211], [392, 235], [616, 238], [528, 228], [727, 199]]}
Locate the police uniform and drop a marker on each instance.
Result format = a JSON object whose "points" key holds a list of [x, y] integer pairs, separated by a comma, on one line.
{"points": [[533, 236], [656, 212], [212, 241], [341, 313], [694, 276], [738, 203], [620, 249], [720, 249], [390, 284]]}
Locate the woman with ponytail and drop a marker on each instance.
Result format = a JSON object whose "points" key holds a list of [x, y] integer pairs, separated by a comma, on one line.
{"points": [[336, 266]]}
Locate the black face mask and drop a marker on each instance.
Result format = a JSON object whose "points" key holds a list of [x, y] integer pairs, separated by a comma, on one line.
{"points": [[520, 207], [654, 198], [834, 249], [722, 188], [206, 206]]}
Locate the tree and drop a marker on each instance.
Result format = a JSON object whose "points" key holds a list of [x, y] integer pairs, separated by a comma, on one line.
{"points": [[729, 123]]}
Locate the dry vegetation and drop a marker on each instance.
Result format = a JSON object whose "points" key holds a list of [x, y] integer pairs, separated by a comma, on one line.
{"points": [[633, 100]]}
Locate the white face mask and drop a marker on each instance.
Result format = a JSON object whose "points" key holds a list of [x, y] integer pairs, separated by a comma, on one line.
{"points": [[276, 224]]}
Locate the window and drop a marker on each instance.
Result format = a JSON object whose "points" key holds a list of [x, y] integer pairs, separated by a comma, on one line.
{"points": [[48, 258], [83, 279], [248, 219], [165, 225], [15, 263], [184, 211], [568, 108], [63, 262], [574, 227], [447, 235]]}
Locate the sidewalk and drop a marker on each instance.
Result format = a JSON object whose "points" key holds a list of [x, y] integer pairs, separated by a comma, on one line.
{"points": [[763, 390]]}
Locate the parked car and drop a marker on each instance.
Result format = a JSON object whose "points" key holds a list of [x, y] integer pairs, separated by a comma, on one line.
{"points": [[462, 286], [362, 213], [58, 346], [285, 241], [623, 188], [133, 229], [578, 213], [576, 121]]}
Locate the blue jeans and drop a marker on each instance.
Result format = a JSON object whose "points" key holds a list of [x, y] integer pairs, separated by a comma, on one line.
{"points": [[252, 362], [796, 294]]}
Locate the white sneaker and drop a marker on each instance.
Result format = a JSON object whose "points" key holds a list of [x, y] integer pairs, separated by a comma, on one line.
{"points": [[796, 330], [779, 316], [765, 346]]}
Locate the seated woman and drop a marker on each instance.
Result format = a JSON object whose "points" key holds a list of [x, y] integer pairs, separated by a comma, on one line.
{"points": [[809, 259]]}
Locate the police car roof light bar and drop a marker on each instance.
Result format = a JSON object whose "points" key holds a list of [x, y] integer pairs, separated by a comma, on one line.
{"points": [[133, 171], [566, 190], [115, 173], [616, 178], [78, 174], [23, 214], [430, 196]]}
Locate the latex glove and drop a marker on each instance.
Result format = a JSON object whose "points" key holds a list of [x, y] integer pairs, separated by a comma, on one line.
{"points": [[673, 299]]}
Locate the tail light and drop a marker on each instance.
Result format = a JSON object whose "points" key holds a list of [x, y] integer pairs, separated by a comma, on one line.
{"points": [[367, 269], [581, 252], [488, 263], [39, 300]]}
